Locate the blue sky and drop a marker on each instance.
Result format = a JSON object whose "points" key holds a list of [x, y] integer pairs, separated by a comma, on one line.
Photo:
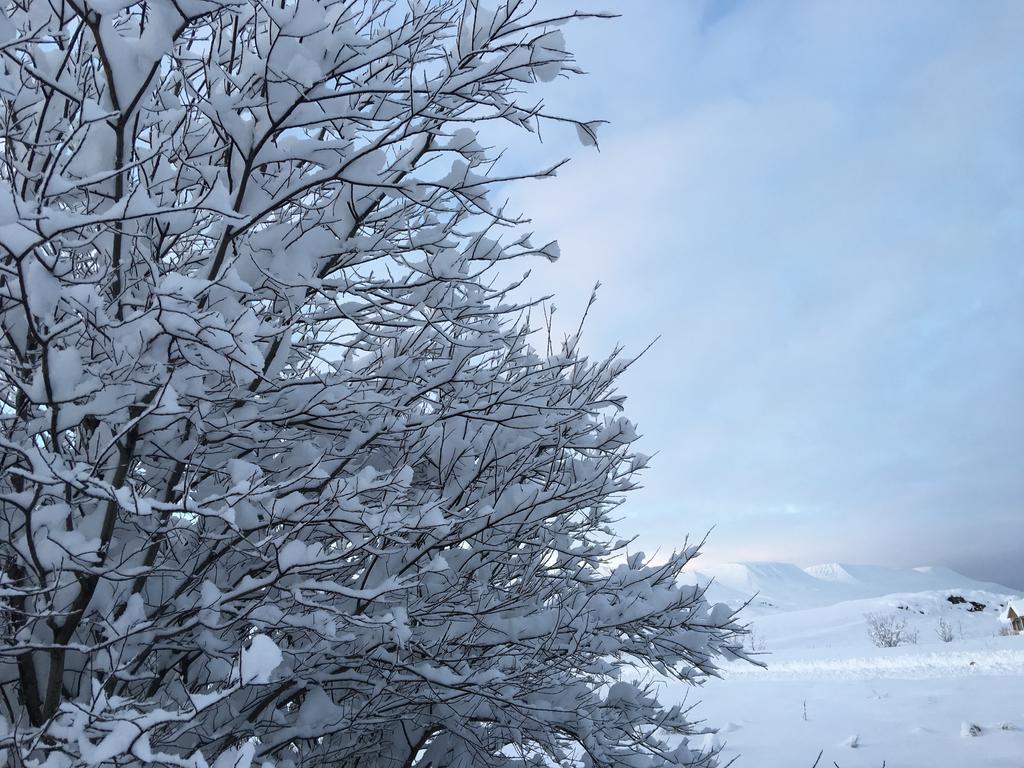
{"points": [[819, 209]]}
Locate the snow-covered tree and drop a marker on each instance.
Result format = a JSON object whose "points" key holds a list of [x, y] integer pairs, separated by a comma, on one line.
{"points": [[285, 480]]}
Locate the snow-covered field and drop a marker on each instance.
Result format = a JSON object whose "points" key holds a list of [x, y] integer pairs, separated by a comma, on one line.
{"points": [[827, 688]]}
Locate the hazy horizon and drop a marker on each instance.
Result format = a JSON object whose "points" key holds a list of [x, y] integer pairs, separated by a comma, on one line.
{"points": [[703, 563]]}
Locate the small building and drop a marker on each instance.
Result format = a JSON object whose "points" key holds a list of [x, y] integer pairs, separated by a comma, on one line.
{"points": [[1015, 619]]}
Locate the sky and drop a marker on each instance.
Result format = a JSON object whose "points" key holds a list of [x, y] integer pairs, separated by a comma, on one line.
{"points": [[817, 208]]}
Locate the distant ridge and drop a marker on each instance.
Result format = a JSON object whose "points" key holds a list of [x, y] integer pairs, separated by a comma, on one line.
{"points": [[907, 579], [787, 586]]}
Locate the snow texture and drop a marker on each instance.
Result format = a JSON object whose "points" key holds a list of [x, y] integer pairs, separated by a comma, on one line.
{"points": [[826, 688], [259, 660]]}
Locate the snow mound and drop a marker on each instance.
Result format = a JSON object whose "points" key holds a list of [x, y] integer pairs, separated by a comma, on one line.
{"points": [[974, 658], [832, 572]]}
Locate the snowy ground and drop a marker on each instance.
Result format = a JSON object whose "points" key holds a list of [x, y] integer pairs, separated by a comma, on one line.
{"points": [[827, 688]]}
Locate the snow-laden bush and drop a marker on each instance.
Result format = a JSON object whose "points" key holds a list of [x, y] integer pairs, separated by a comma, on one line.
{"points": [[887, 630], [284, 481]]}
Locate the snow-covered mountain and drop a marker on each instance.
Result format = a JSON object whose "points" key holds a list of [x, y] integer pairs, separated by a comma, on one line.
{"points": [[882, 580], [784, 586]]}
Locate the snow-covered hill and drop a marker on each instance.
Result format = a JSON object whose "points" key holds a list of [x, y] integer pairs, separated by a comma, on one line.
{"points": [[771, 587], [949, 699]]}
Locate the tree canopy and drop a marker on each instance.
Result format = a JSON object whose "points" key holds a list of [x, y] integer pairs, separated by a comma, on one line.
{"points": [[289, 477]]}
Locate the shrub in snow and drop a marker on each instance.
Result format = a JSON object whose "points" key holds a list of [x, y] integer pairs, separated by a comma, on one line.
{"points": [[756, 643], [284, 481], [887, 630], [970, 729], [944, 630]]}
